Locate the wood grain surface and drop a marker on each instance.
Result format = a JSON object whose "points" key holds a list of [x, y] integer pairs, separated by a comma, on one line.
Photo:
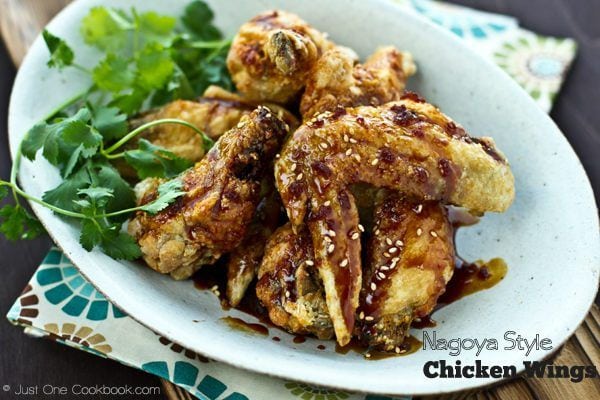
{"points": [[22, 20]]}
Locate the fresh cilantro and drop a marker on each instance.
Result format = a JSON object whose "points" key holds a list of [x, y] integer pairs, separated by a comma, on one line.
{"points": [[110, 122], [146, 60], [61, 54], [168, 192], [153, 161], [17, 223]]}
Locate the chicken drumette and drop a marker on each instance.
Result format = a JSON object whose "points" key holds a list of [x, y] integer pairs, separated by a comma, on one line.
{"points": [[222, 192], [272, 55], [406, 145]]}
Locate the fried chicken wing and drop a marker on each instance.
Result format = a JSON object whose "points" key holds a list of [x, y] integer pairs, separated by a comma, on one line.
{"points": [[337, 81], [410, 260], [289, 285], [245, 259], [222, 192], [406, 145], [272, 54]]}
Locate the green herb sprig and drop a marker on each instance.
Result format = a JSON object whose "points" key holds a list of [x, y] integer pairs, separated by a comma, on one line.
{"points": [[148, 60]]}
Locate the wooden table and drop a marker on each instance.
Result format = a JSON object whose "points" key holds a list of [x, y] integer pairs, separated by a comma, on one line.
{"points": [[34, 362]]}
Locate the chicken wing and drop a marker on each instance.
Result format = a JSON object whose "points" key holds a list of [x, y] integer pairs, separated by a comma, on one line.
{"points": [[336, 81], [407, 145], [245, 259], [289, 286], [272, 54], [216, 112], [222, 192], [410, 260]]}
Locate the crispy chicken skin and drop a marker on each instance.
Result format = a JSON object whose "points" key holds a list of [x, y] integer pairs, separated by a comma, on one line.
{"points": [[289, 285], [245, 259], [406, 145], [216, 112], [336, 81], [222, 192], [410, 260], [272, 55]]}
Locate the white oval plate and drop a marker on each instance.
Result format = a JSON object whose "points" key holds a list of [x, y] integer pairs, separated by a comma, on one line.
{"points": [[549, 237]]}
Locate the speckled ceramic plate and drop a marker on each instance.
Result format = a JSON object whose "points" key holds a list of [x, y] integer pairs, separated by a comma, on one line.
{"points": [[549, 237]]}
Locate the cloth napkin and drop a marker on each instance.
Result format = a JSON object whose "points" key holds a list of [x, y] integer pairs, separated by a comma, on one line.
{"points": [[59, 304]]}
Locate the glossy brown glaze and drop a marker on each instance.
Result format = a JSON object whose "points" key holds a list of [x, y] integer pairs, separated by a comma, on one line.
{"points": [[241, 325], [410, 345]]}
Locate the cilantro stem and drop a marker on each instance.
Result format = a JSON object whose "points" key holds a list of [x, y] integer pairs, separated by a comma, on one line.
{"points": [[214, 44], [81, 68], [70, 101], [107, 153]]}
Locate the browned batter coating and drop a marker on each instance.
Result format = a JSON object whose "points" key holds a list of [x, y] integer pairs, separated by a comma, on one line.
{"points": [[272, 55], [406, 145], [337, 81], [289, 285], [245, 259], [410, 260], [222, 192]]}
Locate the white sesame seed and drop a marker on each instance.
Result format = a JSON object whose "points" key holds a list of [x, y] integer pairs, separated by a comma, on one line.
{"points": [[368, 355], [355, 235], [381, 275], [352, 140], [330, 248], [377, 231], [346, 138], [348, 152], [392, 250], [384, 268], [331, 233], [399, 243], [215, 287], [361, 315], [419, 208], [299, 176], [361, 228], [419, 231], [310, 262], [287, 293], [323, 145], [294, 165], [344, 262], [327, 203], [386, 255], [369, 318], [397, 350], [357, 157], [433, 233], [277, 155], [327, 239], [373, 286], [375, 161], [388, 241]]}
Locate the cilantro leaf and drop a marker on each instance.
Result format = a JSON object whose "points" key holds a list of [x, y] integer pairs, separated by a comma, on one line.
{"points": [[168, 192], [155, 26], [154, 66], [153, 161], [114, 243], [34, 140], [3, 192], [17, 223], [198, 18], [61, 54], [124, 197], [106, 28], [120, 246], [130, 102], [113, 74], [63, 195], [110, 122]]}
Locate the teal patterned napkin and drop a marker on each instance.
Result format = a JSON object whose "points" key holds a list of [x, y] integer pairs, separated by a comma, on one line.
{"points": [[59, 304]]}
